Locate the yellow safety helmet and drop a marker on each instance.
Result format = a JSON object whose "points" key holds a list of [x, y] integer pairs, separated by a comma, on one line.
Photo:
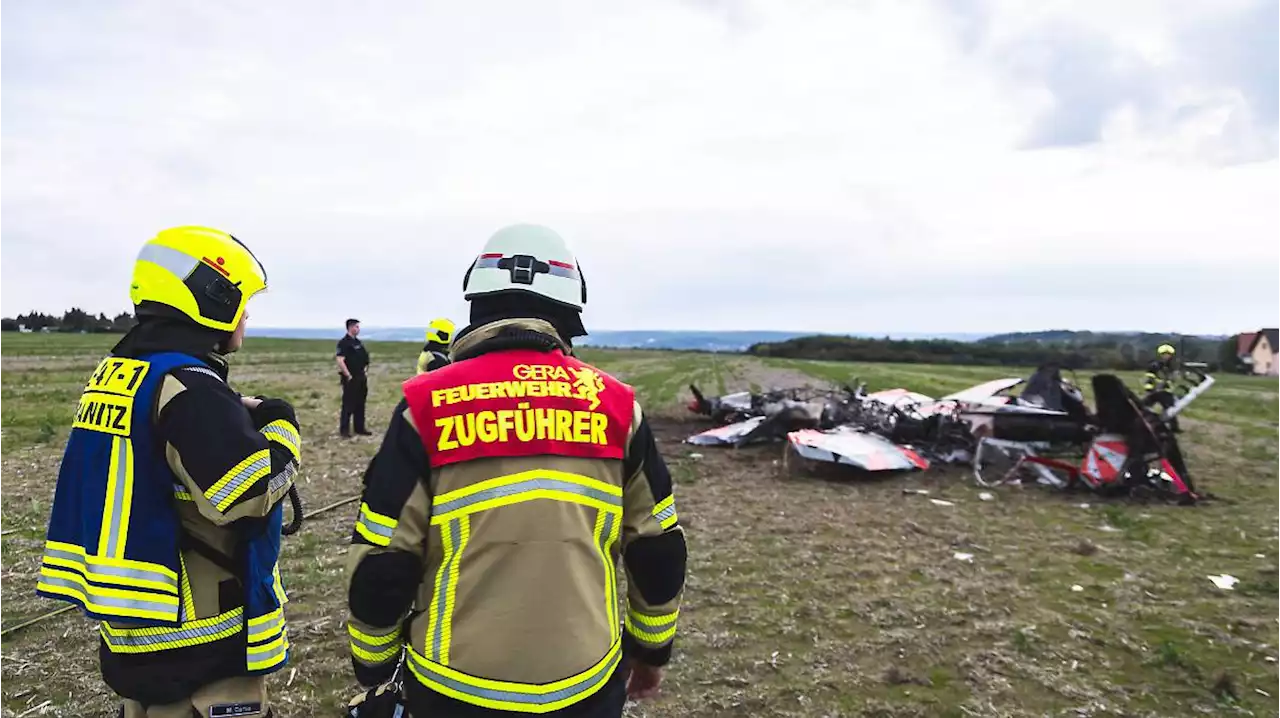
{"points": [[440, 331], [1165, 350], [206, 274]]}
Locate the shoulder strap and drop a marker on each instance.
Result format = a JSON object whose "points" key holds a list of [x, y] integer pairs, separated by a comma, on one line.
{"points": [[214, 556], [165, 362]]}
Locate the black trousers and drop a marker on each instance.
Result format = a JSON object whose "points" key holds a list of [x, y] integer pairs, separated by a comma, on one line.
{"points": [[354, 392], [607, 702], [1164, 399]]}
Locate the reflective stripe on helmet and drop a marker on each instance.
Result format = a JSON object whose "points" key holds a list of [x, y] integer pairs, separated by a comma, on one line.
{"points": [[530, 259], [205, 274]]}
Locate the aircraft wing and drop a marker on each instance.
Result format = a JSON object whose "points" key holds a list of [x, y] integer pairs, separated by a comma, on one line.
{"points": [[863, 450], [726, 435], [1021, 409], [898, 397], [982, 393]]}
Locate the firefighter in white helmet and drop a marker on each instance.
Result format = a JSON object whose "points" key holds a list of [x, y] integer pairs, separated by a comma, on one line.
{"points": [[509, 485]]}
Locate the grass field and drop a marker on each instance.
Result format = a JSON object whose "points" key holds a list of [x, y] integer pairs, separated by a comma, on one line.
{"points": [[806, 596]]}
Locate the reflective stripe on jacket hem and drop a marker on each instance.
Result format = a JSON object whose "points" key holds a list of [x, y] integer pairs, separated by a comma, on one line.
{"points": [[161, 638], [506, 695], [109, 588], [268, 641]]}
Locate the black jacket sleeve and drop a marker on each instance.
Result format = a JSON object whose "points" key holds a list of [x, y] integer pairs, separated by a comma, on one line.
{"points": [[235, 463], [653, 550], [388, 544]]}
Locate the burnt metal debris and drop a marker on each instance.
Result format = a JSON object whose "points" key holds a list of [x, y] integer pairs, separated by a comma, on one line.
{"points": [[1040, 427]]}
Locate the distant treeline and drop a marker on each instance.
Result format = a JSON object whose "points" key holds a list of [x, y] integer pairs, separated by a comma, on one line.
{"points": [[1073, 350], [72, 320]]}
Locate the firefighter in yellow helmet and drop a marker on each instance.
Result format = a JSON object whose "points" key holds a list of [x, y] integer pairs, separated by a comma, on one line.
{"points": [[1161, 370], [1159, 382], [435, 353], [166, 520], [508, 487]]}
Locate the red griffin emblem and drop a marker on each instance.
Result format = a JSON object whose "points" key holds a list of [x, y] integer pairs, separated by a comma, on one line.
{"points": [[520, 403]]}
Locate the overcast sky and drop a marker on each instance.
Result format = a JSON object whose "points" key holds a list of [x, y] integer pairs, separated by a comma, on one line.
{"points": [[979, 165]]}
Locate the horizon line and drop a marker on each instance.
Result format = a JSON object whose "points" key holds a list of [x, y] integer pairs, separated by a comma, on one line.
{"points": [[795, 331]]}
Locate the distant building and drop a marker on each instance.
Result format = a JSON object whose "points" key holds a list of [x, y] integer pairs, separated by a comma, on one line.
{"points": [[1263, 353], [1244, 348]]}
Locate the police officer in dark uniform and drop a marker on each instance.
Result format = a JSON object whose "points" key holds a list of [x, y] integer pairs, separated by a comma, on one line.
{"points": [[353, 369]]}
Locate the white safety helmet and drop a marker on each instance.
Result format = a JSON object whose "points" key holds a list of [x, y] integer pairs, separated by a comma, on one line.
{"points": [[527, 258]]}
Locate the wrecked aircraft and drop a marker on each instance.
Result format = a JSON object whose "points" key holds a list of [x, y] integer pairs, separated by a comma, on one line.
{"points": [[1041, 423], [1126, 447], [745, 418], [872, 431]]}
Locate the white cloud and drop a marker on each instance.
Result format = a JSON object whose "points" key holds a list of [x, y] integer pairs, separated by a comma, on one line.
{"points": [[877, 157]]}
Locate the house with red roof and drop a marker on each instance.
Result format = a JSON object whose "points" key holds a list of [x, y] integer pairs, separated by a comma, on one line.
{"points": [[1261, 355], [1244, 349]]}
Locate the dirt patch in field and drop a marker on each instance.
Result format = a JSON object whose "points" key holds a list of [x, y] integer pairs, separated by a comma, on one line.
{"points": [[46, 363], [754, 375]]}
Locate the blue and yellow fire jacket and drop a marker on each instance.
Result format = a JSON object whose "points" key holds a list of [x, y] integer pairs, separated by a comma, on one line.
{"points": [[166, 523]]}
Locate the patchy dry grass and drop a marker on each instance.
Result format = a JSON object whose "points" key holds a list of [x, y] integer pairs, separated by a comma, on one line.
{"points": [[808, 594]]}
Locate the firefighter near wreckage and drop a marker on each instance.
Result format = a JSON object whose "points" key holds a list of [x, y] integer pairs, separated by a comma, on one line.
{"points": [[167, 515], [509, 486]]}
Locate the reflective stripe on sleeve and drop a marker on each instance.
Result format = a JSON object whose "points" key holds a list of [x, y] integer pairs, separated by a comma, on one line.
{"points": [[259, 659], [268, 642], [238, 480], [665, 512], [284, 433], [375, 647], [374, 527], [652, 631]]}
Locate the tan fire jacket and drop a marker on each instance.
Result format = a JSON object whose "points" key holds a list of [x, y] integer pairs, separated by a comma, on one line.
{"points": [[505, 567]]}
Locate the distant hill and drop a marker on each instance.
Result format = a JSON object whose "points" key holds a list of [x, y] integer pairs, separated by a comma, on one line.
{"points": [[1071, 349], [711, 341], [681, 340], [1078, 348], [733, 341], [1070, 337]]}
